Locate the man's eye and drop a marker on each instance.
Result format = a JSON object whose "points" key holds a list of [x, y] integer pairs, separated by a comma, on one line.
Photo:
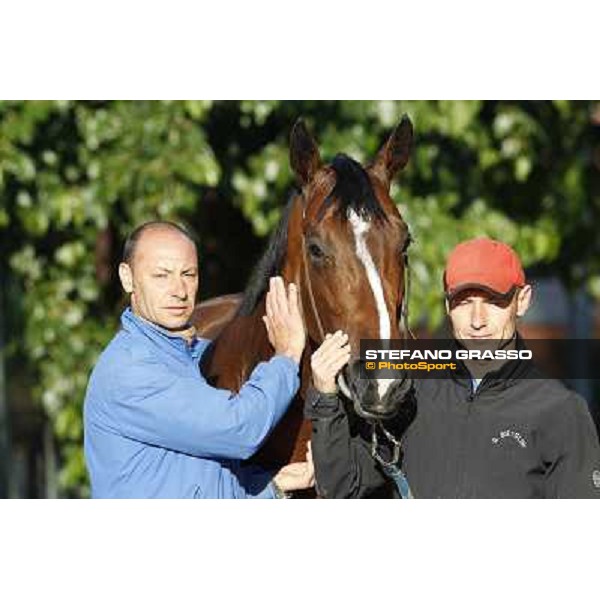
{"points": [[192, 275], [160, 275], [498, 303]]}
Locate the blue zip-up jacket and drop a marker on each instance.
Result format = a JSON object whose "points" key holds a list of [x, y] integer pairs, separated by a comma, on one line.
{"points": [[154, 427]]}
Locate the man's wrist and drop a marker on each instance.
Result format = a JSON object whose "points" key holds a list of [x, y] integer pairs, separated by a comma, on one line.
{"points": [[295, 356], [327, 389], [318, 405], [279, 493]]}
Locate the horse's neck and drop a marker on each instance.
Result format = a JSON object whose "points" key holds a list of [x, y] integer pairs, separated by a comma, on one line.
{"points": [[242, 344]]}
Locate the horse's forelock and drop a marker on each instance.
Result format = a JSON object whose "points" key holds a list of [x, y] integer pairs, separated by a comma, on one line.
{"points": [[352, 191]]}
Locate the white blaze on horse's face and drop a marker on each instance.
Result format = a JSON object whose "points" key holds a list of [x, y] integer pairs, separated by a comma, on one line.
{"points": [[360, 227]]}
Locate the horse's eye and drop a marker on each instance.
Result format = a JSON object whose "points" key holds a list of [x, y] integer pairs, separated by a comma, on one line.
{"points": [[315, 251], [406, 244]]}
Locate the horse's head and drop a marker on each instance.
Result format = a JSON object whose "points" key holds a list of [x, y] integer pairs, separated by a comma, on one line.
{"points": [[346, 248]]}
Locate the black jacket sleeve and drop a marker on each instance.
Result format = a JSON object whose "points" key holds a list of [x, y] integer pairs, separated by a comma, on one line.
{"points": [[344, 467], [575, 472]]}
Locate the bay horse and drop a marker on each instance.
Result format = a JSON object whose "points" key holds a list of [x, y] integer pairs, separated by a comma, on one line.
{"points": [[342, 240]]}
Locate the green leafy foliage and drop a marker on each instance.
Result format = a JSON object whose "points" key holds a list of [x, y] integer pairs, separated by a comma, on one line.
{"points": [[75, 177]]}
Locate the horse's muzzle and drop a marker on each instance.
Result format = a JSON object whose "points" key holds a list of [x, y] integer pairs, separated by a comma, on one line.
{"points": [[372, 398]]}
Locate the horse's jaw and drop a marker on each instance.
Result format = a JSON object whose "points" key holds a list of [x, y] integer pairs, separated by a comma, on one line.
{"points": [[343, 386]]}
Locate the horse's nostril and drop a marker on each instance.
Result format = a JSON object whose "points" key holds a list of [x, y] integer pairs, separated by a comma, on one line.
{"points": [[374, 400]]}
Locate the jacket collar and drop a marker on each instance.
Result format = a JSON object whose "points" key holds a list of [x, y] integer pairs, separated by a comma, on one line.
{"points": [[507, 375], [190, 344]]}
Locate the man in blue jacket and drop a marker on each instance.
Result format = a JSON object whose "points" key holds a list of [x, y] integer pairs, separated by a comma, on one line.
{"points": [[153, 426]]}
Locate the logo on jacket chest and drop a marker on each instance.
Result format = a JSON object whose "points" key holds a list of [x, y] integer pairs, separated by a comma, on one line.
{"points": [[509, 434]]}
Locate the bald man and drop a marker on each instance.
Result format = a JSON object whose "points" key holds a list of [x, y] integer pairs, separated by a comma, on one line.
{"points": [[153, 426]]}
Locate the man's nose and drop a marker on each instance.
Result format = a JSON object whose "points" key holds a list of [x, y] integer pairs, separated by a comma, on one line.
{"points": [[179, 288], [478, 315]]}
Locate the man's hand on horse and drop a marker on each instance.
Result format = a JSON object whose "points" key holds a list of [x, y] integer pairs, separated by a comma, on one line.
{"points": [[327, 361], [297, 476], [284, 323]]}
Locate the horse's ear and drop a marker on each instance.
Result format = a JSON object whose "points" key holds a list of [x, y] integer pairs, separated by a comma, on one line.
{"points": [[304, 153], [395, 153]]}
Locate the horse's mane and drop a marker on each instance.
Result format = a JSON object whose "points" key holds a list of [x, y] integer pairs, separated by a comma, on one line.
{"points": [[352, 191], [269, 265]]}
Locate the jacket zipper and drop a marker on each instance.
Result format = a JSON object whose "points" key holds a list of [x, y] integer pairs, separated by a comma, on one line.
{"points": [[460, 485]]}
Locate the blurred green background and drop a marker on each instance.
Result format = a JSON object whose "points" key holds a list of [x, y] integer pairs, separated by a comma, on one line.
{"points": [[75, 177]]}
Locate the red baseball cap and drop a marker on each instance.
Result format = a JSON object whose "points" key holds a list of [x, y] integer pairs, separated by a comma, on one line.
{"points": [[483, 264]]}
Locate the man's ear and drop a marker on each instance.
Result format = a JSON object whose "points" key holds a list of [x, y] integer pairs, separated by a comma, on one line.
{"points": [[126, 277], [524, 296]]}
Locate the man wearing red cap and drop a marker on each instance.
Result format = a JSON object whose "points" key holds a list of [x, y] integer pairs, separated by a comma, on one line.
{"points": [[478, 433], [485, 292]]}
